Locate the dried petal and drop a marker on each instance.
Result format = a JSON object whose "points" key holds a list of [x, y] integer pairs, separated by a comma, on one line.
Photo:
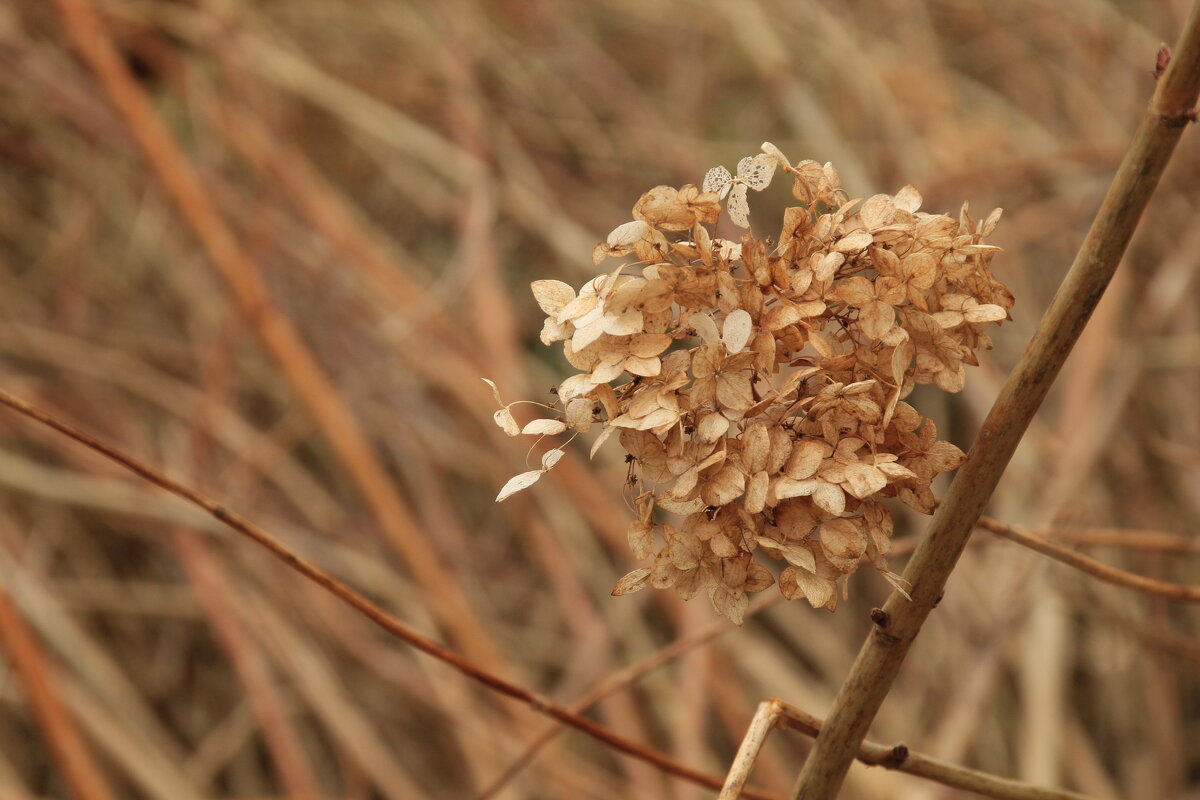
{"points": [[519, 482], [544, 427], [632, 582], [504, 419]]}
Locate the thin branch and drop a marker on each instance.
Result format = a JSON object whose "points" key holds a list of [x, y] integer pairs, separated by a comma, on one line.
{"points": [[773, 714], [1130, 539], [615, 683], [370, 610], [1119, 577], [883, 652]]}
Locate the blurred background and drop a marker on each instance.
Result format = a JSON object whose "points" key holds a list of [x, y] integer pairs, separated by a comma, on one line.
{"points": [[291, 312]]}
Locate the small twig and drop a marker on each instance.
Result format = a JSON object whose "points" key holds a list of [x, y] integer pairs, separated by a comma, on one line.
{"points": [[370, 610], [773, 714], [765, 719], [615, 683], [1129, 539], [1171, 591]]}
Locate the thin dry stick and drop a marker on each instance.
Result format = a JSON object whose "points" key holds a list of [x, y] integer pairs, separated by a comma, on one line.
{"points": [[374, 613], [615, 683], [883, 652], [78, 769], [1129, 538], [280, 338], [773, 714], [1171, 591]]}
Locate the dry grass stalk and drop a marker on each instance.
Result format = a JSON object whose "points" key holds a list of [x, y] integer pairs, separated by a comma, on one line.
{"points": [[77, 766], [279, 336]]}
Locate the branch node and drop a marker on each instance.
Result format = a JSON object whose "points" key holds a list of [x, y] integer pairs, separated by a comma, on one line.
{"points": [[895, 757], [1161, 59], [880, 617], [1180, 119]]}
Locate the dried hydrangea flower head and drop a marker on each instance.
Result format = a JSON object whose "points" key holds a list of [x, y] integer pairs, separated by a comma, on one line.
{"points": [[758, 387]]}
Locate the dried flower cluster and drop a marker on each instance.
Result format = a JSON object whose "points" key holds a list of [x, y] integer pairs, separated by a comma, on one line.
{"points": [[758, 386]]}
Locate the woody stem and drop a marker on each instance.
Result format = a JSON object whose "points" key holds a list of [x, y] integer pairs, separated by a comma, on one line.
{"points": [[883, 652]]}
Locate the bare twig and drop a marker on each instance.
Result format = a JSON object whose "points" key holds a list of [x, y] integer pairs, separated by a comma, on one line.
{"points": [[879, 660], [773, 714], [1171, 591], [615, 683], [1131, 539], [370, 610]]}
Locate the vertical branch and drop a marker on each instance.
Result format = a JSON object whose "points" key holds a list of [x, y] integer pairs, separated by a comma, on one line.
{"points": [[766, 719], [884, 650]]}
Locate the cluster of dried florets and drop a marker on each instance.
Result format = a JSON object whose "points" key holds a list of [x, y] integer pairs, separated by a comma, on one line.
{"points": [[758, 386]]}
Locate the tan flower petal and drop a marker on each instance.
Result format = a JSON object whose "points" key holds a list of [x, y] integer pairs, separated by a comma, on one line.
{"points": [[576, 308], [863, 480], [853, 243], [842, 538], [552, 296], [734, 392], [641, 538], [730, 604], [519, 482], [736, 330], [756, 492], [795, 582], [829, 498], [805, 458], [782, 316], [544, 427], [504, 419], [757, 578], [645, 367], [649, 345], [632, 582], [724, 487], [663, 208]]}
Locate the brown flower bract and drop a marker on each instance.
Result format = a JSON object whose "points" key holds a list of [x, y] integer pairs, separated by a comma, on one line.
{"points": [[759, 387]]}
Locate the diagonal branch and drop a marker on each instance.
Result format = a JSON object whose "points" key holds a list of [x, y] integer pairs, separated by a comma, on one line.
{"points": [[370, 610], [884, 650], [1097, 569]]}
